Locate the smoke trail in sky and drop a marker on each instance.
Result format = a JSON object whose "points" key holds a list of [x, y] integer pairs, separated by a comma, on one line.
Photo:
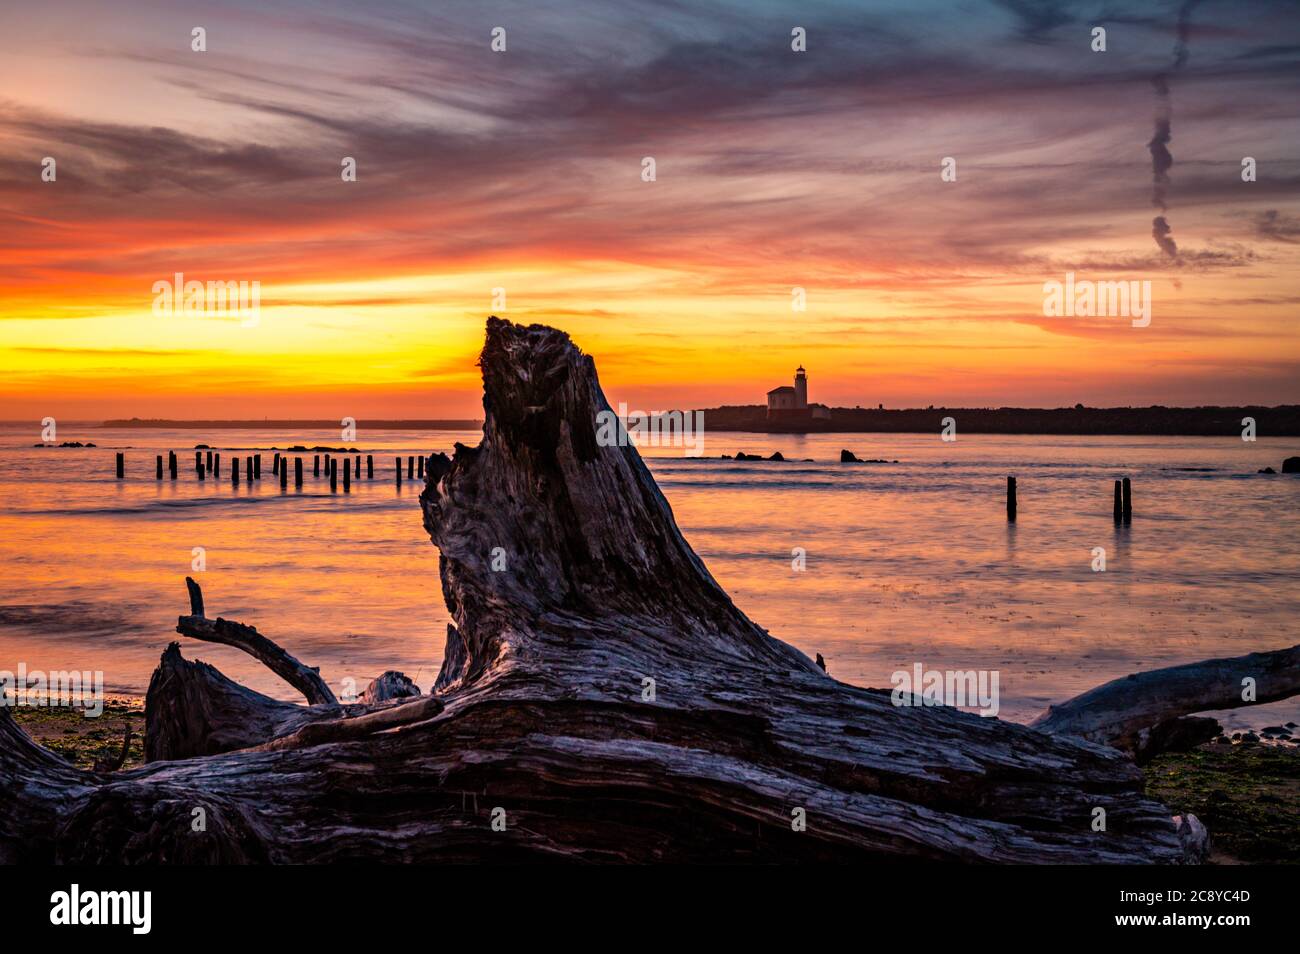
{"points": [[1161, 158]]}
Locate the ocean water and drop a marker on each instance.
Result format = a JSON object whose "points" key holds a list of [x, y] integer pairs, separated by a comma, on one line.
{"points": [[907, 562]]}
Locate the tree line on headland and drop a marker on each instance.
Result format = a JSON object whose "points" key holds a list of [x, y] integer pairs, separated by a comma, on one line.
{"points": [[1280, 421]]}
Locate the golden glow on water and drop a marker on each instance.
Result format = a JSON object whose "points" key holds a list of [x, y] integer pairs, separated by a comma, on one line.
{"points": [[522, 173], [906, 562]]}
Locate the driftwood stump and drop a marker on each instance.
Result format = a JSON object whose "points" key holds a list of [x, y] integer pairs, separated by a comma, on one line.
{"points": [[601, 699]]}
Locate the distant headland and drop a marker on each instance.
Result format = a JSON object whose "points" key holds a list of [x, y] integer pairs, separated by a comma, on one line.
{"points": [[1280, 421], [788, 411]]}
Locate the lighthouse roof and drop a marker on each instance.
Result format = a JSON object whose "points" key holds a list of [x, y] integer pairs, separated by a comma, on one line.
{"points": [[782, 390]]}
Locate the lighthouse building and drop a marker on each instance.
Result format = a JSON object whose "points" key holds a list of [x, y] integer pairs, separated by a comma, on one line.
{"points": [[791, 403]]}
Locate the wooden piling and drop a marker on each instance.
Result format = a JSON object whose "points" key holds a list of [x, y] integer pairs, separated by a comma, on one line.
{"points": [[410, 468], [257, 466], [275, 465], [158, 470], [358, 471], [327, 465], [399, 471], [316, 467], [283, 467], [171, 463], [297, 471], [1119, 503], [420, 467], [216, 465], [1128, 501], [248, 468], [121, 465], [234, 471], [1011, 499], [334, 476], [347, 481], [370, 467], [208, 462]]}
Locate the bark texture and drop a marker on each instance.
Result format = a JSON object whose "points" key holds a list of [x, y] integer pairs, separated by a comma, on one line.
{"points": [[601, 699]]}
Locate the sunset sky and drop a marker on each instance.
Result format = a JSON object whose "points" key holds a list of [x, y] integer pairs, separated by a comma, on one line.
{"points": [[522, 170]]}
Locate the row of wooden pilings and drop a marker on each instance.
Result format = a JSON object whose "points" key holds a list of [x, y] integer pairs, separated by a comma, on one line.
{"points": [[1123, 509], [211, 466]]}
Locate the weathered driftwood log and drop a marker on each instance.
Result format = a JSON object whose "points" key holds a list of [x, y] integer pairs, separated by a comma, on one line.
{"points": [[38, 792], [601, 699], [347, 729], [1142, 713], [191, 709], [389, 685], [306, 679]]}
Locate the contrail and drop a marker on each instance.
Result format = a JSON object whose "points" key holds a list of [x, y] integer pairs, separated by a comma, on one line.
{"points": [[1161, 158]]}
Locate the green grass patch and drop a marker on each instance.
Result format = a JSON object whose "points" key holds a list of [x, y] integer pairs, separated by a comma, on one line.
{"points": [[82, 741], [1247, 795]]}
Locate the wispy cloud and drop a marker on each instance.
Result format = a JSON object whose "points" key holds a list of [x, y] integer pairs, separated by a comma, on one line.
{"points": [[775, 169]]}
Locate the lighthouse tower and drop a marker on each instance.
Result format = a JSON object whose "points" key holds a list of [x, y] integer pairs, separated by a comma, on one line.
{"points": [[800, 388]]}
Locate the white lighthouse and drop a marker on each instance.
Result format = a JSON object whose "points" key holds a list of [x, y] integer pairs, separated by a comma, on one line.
{"points": [[790, 404], [790, 398]]}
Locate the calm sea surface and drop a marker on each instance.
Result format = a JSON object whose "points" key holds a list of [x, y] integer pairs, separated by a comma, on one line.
{"points": [[905, 562]]}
